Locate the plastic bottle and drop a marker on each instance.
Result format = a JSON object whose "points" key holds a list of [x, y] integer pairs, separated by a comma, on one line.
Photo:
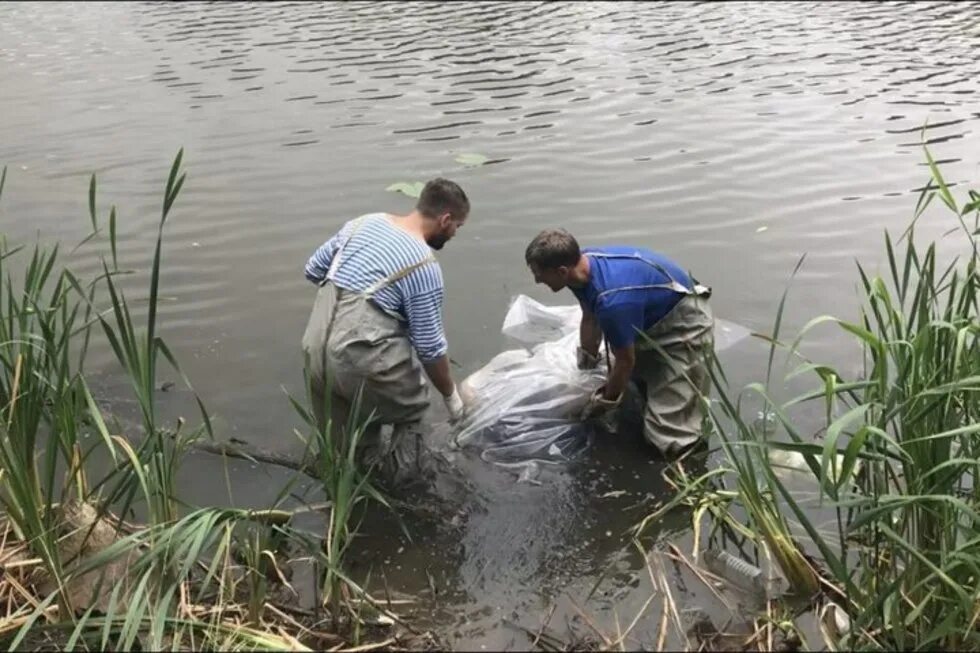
{"points": [[735, 570]]}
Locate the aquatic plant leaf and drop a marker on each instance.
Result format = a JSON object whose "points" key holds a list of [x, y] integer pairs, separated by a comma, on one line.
{"points": [[471, 159], [112, 238], [971, 207], [91, 203], [409, 188], [944, 193]]}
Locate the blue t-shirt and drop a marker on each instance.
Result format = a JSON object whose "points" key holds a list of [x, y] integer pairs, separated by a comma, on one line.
{"points": [[619, 291]]}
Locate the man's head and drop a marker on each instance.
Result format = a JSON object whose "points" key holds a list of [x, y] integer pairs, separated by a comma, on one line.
{"points": [[444, 203], [553, 257]]}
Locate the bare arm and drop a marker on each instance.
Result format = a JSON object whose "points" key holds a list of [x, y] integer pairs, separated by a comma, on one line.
{"points": [[438, 373], [621, 371], [589, 333]]}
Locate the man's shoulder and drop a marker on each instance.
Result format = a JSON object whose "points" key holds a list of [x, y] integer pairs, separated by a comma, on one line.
{"points": [[377, 226], [370, 220], [615, 250]]}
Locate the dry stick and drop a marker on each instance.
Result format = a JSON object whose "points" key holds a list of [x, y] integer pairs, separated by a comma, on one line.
{"points": [[755, 637], [380, 608], [589, 622], [30, 598], [6, 532], [369, 647], [323, 635], [292, 641], [554, 606], [547, 638], [14, 624], [254, 454], [183, 606], [619, 631], [677, 555], [285, 617], [769, 624], [623, 636], [384, 579], [636, 619], [662, 635], [665, 588], [33, 562]]}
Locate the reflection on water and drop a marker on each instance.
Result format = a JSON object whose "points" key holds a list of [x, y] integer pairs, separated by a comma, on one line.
{"points": [[733, 136]]}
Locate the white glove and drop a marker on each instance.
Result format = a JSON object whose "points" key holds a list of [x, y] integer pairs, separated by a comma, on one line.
{"points": [[586, 361], [455, 406], [598, 404]]}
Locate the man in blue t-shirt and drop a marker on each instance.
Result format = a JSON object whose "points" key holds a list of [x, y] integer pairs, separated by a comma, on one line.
{"points": [[655, 319]]}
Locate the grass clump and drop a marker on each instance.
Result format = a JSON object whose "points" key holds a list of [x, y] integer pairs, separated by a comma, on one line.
{"points": [[76, 574], [894, 459]]}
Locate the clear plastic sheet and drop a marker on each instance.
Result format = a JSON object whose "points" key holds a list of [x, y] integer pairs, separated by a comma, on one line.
{"points": [[524, 405]]}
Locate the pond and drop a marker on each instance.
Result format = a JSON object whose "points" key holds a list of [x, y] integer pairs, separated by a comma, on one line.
{"points": [[734, 137]]}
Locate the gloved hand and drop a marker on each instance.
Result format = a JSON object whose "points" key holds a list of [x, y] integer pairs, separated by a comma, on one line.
{"points": [[455, 406], [599, 405], [586, 361]]}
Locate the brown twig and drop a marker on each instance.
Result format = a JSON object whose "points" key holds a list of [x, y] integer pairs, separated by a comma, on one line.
{"points": [[677, 555], [369, 647], [554, 606], [590, 623], [254, 454], [669, 597], [622, 636], [662, 635]]}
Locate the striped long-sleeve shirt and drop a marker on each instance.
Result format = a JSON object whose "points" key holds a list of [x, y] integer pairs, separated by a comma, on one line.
{"points": [[376, 250]]}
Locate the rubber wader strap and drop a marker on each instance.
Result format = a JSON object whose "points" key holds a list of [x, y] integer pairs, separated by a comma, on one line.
{"points": [[335, 263], [397, 276], [674, 285]]}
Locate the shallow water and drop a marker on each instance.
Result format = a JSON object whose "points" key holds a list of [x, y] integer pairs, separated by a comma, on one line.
{"points": [[734, 137]]}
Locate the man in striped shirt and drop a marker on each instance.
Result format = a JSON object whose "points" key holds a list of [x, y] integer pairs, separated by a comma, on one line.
{"points": [[377, 322]]}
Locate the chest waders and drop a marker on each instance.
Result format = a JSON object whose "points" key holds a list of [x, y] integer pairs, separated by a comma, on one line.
{"points": [[671, 367], [354, 346]]}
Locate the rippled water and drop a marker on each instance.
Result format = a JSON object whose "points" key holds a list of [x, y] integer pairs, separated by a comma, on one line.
{"points": [[733, 136]]}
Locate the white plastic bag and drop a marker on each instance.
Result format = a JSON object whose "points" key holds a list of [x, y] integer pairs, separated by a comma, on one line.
{"points": [[524, 405], [532, 323]]}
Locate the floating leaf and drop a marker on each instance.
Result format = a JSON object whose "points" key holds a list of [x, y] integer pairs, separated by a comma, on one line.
{"points": [[471, 159], [410, 188]]}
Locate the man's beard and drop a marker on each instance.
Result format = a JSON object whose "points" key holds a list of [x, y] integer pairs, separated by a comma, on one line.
{"points": [[437, 241]]}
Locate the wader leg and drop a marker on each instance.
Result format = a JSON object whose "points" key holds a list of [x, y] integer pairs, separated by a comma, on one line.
{"points": [[410, 456], [672, 416], [315, 349], [672, 411]]}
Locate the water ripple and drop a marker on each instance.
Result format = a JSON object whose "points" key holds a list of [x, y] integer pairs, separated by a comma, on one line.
{"points": [[735, 136]]}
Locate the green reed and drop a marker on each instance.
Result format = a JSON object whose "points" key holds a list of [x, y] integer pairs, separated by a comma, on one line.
{"points": [[333, 451], [897, 461], [135, 589]]}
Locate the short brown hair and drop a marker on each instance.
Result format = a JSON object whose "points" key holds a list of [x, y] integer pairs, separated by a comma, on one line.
{"points": [[553, 248], [443, 196]]}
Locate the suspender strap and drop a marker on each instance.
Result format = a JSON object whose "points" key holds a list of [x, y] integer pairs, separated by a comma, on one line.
{"points": [[381, 284], [698, 290], [401, 274], [335, 263]]}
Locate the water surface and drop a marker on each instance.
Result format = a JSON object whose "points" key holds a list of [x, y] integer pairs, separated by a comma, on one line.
{"points": [[735, 137]]}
